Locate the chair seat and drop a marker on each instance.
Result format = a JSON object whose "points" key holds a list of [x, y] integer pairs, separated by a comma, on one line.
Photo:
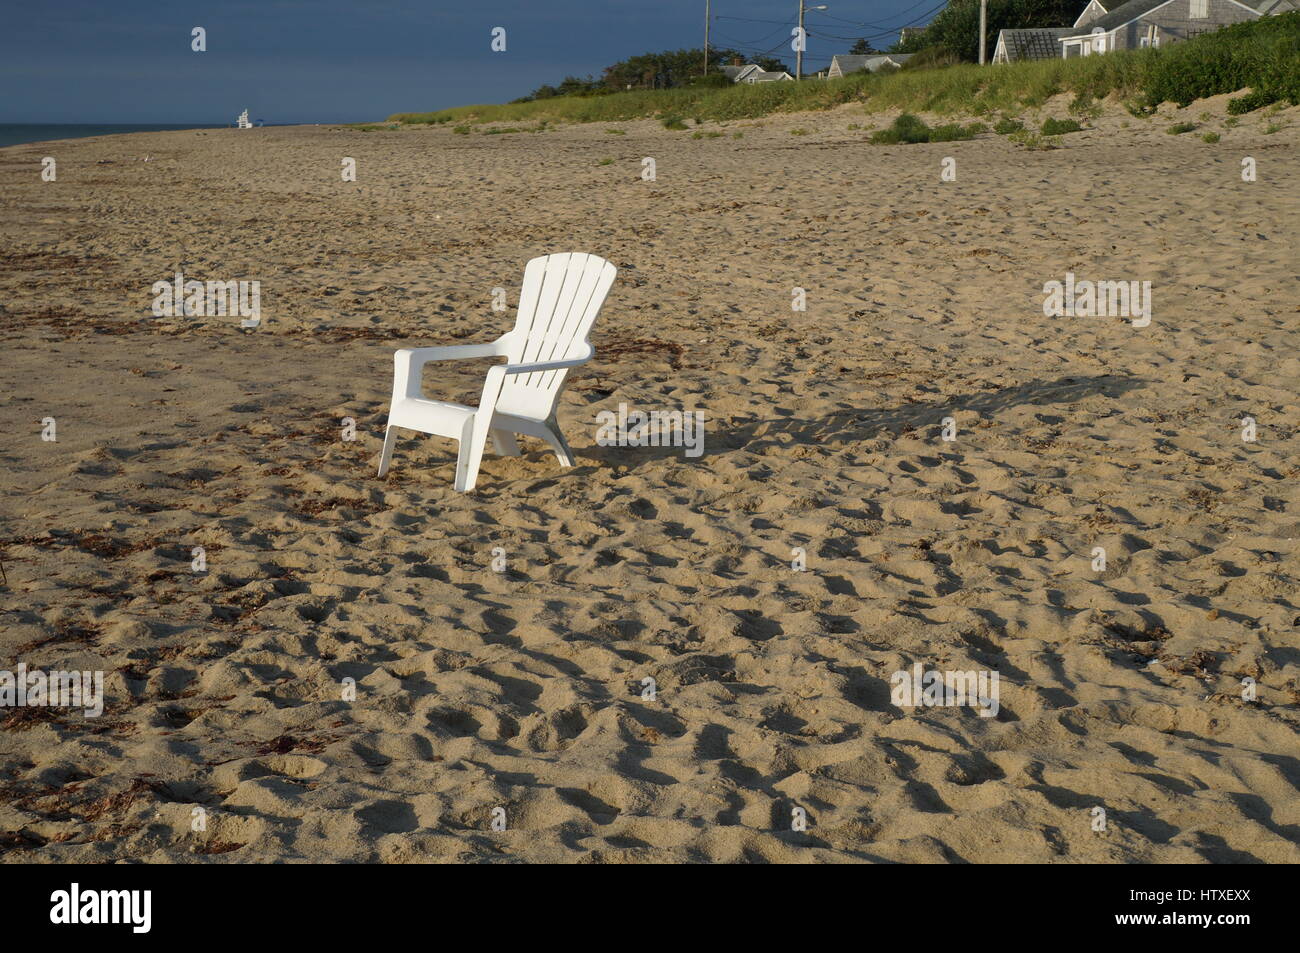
{"points": [[441, 417]]}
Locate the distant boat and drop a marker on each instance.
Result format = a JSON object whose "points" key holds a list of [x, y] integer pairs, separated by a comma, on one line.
{"points": [[242, 122]]}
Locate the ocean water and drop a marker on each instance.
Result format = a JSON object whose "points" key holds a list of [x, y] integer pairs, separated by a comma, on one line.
{"points": [[13, 134]]}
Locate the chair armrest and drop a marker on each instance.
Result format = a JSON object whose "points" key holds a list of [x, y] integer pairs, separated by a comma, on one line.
{"points": [[408, 363], [496, 377], [549, 365]]}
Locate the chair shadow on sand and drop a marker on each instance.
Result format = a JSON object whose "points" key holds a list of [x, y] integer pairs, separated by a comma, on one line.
{"points": [[846, 426]]}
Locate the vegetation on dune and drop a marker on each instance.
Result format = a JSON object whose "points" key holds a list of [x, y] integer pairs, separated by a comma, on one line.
{"points": [[1263, 55], [952, 90], [909, 128], [1057, 127]]}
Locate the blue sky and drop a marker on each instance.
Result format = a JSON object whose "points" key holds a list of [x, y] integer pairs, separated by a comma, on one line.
{"points": [[331, 61]]}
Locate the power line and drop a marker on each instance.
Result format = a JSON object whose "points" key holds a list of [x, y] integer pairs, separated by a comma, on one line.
{"points": [[752, 20], [761, 40], [873, 25]]}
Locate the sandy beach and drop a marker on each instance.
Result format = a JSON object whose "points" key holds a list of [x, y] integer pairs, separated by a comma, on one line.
{"points": [[521, 695]]}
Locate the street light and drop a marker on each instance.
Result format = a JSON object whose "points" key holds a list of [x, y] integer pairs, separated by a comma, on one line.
{"points": [[803, 39]]}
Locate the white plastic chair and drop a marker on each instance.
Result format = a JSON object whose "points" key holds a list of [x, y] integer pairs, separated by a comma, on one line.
{"points": [[561, 296]]}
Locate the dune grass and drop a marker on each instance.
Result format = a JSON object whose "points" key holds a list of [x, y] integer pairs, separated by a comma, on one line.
{"points": [[964, 89]]}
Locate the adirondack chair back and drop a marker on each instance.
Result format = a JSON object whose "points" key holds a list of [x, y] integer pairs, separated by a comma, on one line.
{"points": [[561, 297]]}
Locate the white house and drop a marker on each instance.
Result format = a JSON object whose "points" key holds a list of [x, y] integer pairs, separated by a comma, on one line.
{"points": [[1138, 24]]}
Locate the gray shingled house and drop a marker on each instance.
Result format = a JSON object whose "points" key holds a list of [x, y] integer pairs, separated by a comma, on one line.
{"points": [[1139, 24], [1135, 24], [1044, 43]]}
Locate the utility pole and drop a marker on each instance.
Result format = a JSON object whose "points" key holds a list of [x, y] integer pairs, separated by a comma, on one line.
{"points": [[803, 40], [798, 54], [706, 37], [984, 13]]}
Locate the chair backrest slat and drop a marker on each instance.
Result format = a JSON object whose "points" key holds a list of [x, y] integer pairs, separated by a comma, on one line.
{"points": [[561, 297]]}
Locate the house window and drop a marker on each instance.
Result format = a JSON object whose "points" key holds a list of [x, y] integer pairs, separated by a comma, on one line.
{"points": [[1200, 9]]}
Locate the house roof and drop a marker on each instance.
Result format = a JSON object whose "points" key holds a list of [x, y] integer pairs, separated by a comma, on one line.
{"points": [[1118, 16], [752, 72], [853, 62], [1035, 44]]}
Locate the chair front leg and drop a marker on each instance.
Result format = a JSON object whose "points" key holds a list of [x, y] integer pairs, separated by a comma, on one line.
{"points": [[473, 438], [386, 455]]}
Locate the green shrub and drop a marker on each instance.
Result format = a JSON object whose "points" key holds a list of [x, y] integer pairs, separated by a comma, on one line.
{"points": [[1057, 127], [1211, 137], [1006, 126], [1084, 106], [1178, 128], [1262, 54], [462, 130], [935, 57], [952, 132], [906, 128], [673, 122], [711, 81], [1250, 102]]}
